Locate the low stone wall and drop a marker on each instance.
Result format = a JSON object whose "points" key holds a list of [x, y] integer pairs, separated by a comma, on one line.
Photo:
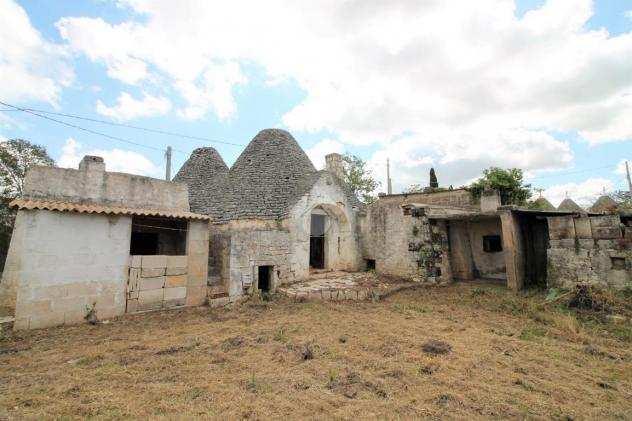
{"points": [[156, 282], [595, 250]]}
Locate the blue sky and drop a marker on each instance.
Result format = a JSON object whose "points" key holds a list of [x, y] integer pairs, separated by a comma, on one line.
{"points": [[539, 85]]}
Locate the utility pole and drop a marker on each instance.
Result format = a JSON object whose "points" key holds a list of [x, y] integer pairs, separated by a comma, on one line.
{"points": [[389, 186], [168, 169], [627, 173]]}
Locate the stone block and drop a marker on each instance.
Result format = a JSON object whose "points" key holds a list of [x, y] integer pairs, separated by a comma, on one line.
{"points": [[49, 319], [152, 272], [153, 262], [561, 227], [586, 243], [132, 306], [176, 271], [133, 279], [146, 284], [605, 227], [175, 293], [196, 295], [176, 261], [582, 227], [150, 299], [619, 279], [176, 281], [135, 261], [628, 234], [607, 244], [132, 294]]}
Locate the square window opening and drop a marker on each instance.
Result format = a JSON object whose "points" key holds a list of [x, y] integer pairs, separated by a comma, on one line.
{"points": [[370, 264], [158, 236], [492, 244], [618, 263]]}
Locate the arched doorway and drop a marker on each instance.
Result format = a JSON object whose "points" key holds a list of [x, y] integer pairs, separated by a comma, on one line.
{"points": [[329, 238]]}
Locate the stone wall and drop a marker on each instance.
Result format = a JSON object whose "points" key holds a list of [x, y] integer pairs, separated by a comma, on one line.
{"points": [[458, 198], [61, 264], [156, 282], [91, 183], [595, 250], [405, 243]]}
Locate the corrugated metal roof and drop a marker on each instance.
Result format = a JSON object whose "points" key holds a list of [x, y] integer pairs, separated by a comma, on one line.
{"points": [[101, 209]]}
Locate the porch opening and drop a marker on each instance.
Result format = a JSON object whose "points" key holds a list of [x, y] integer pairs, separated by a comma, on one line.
{"points": [[264, 278], [475, 249], [317, 239], [158, 236]]}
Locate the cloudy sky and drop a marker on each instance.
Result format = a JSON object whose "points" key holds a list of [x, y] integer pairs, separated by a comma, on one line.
{"points": [[541, 85]]}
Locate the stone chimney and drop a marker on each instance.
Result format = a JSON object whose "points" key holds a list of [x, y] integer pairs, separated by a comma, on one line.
{"points": [[94, 169], [490, 200], [334, 165]]}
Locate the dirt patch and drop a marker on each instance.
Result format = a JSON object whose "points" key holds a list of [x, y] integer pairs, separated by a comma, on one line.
{"points": [[436, 347]]}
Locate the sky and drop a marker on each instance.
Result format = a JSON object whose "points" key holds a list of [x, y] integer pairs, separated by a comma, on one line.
{"points": [[545, 86]]}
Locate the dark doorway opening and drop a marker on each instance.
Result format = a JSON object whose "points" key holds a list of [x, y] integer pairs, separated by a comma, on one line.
{"points": [[317, 242], [265, 275], [370, 264], [535, 232], [144, 243]]}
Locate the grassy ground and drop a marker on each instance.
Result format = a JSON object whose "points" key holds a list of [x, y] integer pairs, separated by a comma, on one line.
{"points": [[511, 358]]}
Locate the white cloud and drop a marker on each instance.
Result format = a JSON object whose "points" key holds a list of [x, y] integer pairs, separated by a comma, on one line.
{"points": [[115, 159], [584, 194], [128, 108], [326, 146], [31, 68], [459, 84], [628, 14]]}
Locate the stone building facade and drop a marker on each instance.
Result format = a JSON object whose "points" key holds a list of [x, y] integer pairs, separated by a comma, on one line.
{"points": [[89, 241], [262, 210]]}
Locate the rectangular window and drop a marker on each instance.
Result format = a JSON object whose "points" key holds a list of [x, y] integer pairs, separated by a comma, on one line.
{"points": [[155, 235], [492, 244]]}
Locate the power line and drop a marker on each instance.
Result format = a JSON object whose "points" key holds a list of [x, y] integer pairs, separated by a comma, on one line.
{"points": [[74, 126], [129, 126], [574, 172]]}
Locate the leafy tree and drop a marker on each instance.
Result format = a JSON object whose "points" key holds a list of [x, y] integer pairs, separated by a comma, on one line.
{"points": [[359, 178], [16, 156], [414, 188], [623, 199], [509, 182]]}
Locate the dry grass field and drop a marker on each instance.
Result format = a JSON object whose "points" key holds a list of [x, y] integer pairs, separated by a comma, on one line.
{"points": [[511, 357]]}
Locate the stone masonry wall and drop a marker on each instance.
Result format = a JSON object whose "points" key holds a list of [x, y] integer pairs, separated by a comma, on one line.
{"points": [[64, 263], [156, 282], [595, 250]]}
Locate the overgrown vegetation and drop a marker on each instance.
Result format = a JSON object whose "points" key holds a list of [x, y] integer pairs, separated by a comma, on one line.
{"points": [[509, 183], [360, 178]]}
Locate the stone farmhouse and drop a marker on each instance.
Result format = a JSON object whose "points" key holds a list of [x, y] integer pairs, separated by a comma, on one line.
{"points": [[88, 240]]}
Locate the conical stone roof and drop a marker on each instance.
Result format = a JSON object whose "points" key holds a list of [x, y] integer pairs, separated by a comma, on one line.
{"points": [[568, 205], [205, 175], [269, 177], [543, 204], [604, 204]]}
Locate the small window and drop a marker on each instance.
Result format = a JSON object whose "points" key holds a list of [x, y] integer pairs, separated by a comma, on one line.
{"points": [[370, 264], [492, 244], [618, 263]]}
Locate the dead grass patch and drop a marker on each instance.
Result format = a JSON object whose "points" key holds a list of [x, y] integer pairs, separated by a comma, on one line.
{"points": [[513, 356]]}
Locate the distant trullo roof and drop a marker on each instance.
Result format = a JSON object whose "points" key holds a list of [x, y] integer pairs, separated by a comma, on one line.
{"points": [[205, 174], [267, 179], [543, 204], [604, 204], [568, 205]]}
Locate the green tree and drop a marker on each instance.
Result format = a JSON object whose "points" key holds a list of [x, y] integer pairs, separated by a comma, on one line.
{"points": [[16, 156], [359, 178], [509, 183], [434, 183], [414, 188]]}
